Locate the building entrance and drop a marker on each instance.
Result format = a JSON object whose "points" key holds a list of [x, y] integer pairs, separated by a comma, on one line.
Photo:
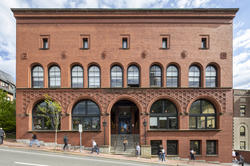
{"points": [[124, 118]]}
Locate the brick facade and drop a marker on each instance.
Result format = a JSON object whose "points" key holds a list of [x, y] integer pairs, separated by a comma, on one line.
{"points": [[145, 29]]}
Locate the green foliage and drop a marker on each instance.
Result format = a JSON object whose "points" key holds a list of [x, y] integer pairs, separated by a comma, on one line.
{"points": [[7, 113], [52, 112]]}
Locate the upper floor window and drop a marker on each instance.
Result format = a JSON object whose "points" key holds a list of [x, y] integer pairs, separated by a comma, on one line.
{"points": [[194, 76], [243, 145], [172, 76], [87, 113], [133, 76], [155, 76], [202, 115], [165, 41], [54, 77], [37, 77], [163, 115], [242, 131], [77, 77], [116, 77], [204, 41], [94, 77], [125, 41], [211, 76], [85, 43], [242, 110], [44, 42]]}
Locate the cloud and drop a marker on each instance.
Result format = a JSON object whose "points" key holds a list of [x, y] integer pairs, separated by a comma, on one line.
{"points": [[191, 3], [242, 39], [5, 66]]}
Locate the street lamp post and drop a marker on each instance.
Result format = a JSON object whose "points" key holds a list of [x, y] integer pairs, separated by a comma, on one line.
{"points": [[145, 135], [104, 124]]}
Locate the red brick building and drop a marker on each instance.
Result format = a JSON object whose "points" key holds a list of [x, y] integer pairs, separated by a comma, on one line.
{"points": [[155, 76]]}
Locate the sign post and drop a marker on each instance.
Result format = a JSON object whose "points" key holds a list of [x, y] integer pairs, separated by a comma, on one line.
{"points": [[80, 131]]}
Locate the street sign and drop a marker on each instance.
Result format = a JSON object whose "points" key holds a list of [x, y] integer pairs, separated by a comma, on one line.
{"points": [[80, 128]]}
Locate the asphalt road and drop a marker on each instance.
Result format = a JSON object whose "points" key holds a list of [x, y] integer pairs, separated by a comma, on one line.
{"points": [[28, 157]]}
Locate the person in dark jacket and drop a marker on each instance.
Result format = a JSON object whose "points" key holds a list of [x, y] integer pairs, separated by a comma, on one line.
{"points": [[34, 140], [65, 140], [2, 135]]}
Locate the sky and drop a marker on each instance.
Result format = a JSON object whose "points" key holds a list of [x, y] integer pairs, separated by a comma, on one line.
{"points": [[241, 32]]}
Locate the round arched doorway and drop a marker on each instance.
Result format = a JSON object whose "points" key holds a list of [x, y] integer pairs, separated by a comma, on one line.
{"points": [[125, 118]]}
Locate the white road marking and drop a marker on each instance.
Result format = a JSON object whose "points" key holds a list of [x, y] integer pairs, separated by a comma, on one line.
{"points": [[28, 164], [124, 162]]}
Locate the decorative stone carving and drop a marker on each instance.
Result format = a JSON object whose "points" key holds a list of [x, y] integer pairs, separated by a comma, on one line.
{"points": [[223, 55], [184, 54], [24, 56]]}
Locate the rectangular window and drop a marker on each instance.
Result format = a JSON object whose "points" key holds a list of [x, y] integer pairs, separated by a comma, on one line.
{"points": [[125, 38], [242, 110], [243, 100], [196, 146], [165, 41], [155, 144], [204, 42], [172, 147], [242, 145], [212, 147], [44, 42], [85, 43], [124, 42]]}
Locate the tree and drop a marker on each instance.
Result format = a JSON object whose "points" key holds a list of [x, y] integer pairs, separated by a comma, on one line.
{"points": [[52, 112], [7, 113]]}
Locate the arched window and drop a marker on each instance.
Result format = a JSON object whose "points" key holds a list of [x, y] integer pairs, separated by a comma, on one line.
{"points": [[37, 77], [211, 76], [163, 115], [54, 77], [94, 77], [77, 77], [133, 76], [87, 113], [242, 131], [155, 76], [172, 76], [42, 120], [202, 115], [116, 77], [194, 77]]}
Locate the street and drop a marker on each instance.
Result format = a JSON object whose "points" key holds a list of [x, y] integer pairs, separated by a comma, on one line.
{"points": [[24, 157]]}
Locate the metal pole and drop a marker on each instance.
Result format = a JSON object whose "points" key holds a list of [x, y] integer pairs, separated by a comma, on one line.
{"points": [[80, 142], [104, 135]]}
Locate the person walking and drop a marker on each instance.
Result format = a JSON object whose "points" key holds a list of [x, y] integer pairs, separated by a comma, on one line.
{"points": [[160, 152], [125, 142], [93, 146], [138, 150], [241, 160], [2, 135], [34, 140], [163, 155], [192, 152], [65, 140]]}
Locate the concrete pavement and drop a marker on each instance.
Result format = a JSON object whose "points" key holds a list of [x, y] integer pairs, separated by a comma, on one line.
{"points": [[76, 155]]}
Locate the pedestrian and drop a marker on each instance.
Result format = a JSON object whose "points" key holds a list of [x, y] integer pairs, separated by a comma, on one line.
{"points": [[34, 140], [2, 135], [97, 149], [93, 146], [160, 152], [125, 142], [192, 152], [234, 155], [163, 155], [138, 150], [65, 140], [241, 160]]}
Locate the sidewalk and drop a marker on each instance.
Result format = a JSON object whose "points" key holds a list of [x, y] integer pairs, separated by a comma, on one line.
{"points": [[168, 162]]}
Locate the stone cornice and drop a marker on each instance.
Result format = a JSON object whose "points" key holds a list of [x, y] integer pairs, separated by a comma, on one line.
{"points": [[25, 15]]}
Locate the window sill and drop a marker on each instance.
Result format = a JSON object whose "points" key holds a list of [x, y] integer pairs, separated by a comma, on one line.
{"points": [[184, 130], [84, 48], [124, 48], [52, 131], [43, 48], [203, 48], [164, 48], [212, 155]]}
